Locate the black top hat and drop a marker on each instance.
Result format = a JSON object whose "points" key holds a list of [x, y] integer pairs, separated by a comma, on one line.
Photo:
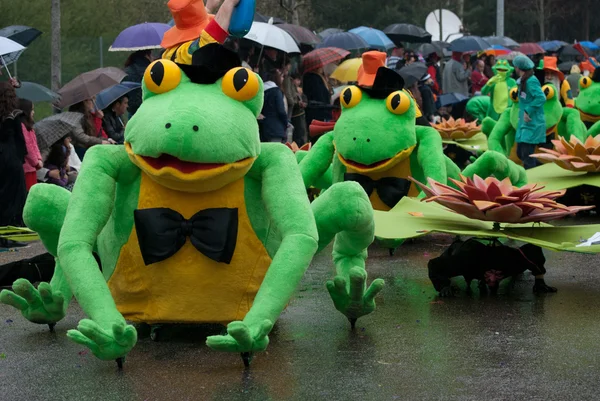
{"points": [[209, 63], [386, 81]]}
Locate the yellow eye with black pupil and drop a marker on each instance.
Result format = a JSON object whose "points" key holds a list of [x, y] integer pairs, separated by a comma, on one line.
{"points": [[548, 91], [514, 94], [398, 102], [585, 82], [351, 96], [240, 84], [162, 76]]}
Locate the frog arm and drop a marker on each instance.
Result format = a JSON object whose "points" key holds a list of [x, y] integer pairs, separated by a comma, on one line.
{"points": [[496, 140], [573, 124], [88, 212], [325, 180], [318, 160], [286, 203], [430, 155], [495, 164], [594, 129], [488, 88], [487, 126]]}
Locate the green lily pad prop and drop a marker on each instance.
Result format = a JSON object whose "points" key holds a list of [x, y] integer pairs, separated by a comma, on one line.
{"points": [[554, 177], [477, 143]]}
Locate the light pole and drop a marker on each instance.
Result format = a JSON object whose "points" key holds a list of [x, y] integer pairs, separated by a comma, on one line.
{"points": [[499, 17]]}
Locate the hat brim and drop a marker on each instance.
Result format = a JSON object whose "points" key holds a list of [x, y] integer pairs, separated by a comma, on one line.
{"points": [[365, 79], [176, 36], [210, 63], [385, 82], [556, 70]]}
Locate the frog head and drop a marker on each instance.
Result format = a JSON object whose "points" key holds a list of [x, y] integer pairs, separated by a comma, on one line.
{"points": [[553, 110], [588, 101], [376, 129], [196, 130], [502, 68]]}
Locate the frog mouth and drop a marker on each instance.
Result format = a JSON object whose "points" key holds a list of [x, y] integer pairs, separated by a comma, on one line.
{"points": [[380, 165], [166, 160], [551, 129], [589, 117]]}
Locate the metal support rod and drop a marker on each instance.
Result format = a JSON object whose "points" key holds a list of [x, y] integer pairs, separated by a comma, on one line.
{"points": [[500, 18], [101, 54]]}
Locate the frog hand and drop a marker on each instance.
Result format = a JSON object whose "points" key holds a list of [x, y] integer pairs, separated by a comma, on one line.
{"points": [[105, 344], [41, 305], [242, 338], [355, 302]]}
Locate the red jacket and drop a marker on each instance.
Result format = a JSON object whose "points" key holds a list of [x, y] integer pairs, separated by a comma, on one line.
{"points": [[97, 121], [478, 80], [432, 71]]}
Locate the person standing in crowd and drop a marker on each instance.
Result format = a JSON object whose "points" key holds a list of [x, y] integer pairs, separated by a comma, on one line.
{"points": [[552, 75], [427, 100], [91, 134], [433, 70], [396, 60], [531, 128], [478, 78], [58, 164], [490, 61], [274, 124], [13, 191], [246, 53], [318, 92], [112, 122], [456, 75], [135, 66], [573, 79], [33, 159]]}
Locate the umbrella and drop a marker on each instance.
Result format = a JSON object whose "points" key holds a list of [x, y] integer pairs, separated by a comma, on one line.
{"points": [[510, 56], [8, 48], [348, 70], [407, 33], [272, 36], [50, 130], [552, 45], [412, 73], [36, 93], [374, 37], [502, 41], [565, 66], [110, 95], [531, 48], [321, 57], [144, 36], [589, 45], [344, 40], [301, 34], [569, 51], [497, 50], [21, 34], [329, 31], [469, 44], [88, 85], [448, 99], [429, 48]]}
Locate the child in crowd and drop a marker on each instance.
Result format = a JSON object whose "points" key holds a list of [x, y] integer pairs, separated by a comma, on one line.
{"points": [[58, 164]]}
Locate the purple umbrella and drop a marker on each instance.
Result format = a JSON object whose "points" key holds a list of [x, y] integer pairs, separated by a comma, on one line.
{"points": [[144, 36]]}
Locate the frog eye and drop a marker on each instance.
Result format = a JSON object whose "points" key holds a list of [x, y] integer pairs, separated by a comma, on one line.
{"points": [[350, 97], [240, 84], [398, 102], [514, 94], [162, 76], [585, 82], [548, 91]]}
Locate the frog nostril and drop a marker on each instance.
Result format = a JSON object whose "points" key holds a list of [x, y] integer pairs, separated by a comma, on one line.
{"points": [[368, 139], [168, 125], [354, 139], [195, 127]]}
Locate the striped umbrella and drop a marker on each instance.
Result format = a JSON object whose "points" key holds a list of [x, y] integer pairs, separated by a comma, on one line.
{"points": [[321, 57]]}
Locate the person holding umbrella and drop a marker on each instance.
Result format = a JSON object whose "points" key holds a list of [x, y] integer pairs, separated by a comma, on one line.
{"points": [[531, 128], [112, 122], [135, 66]]}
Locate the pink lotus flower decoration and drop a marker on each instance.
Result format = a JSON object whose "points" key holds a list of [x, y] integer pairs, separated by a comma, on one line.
{"points": [[498, 201], [574, 155], [294, 147]]}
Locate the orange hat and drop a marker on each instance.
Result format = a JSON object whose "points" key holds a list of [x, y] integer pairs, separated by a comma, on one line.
{"points": [[550, 65], [190, 20], [372, 61]]}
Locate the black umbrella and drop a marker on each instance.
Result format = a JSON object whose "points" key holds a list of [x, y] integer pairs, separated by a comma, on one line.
{"points": [[501, 41], [565, 66], [569, 51], [407, 33], [21, 34], [344, 40], [469, 44], [429, 48], [412, 73], [329, 31], [36, 93]]}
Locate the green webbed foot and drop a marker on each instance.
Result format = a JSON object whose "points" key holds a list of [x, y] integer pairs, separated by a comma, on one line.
{"points": [[353, 301], [105, 344], [242, 338], [41, 305]]}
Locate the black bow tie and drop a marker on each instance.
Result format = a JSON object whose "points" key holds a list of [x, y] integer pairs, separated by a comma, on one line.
{"points": [[162, 232], [389, 189]]}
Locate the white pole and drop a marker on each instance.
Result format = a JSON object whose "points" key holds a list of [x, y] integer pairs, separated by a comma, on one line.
{"points": [[500, 18]]}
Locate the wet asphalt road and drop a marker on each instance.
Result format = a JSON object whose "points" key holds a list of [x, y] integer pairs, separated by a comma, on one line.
{"points": [[515, 346]]}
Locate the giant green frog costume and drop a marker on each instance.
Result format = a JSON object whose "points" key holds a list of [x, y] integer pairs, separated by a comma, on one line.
{"points": [[498, 88], [560, 121], [587, 102], [194, 220]]}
